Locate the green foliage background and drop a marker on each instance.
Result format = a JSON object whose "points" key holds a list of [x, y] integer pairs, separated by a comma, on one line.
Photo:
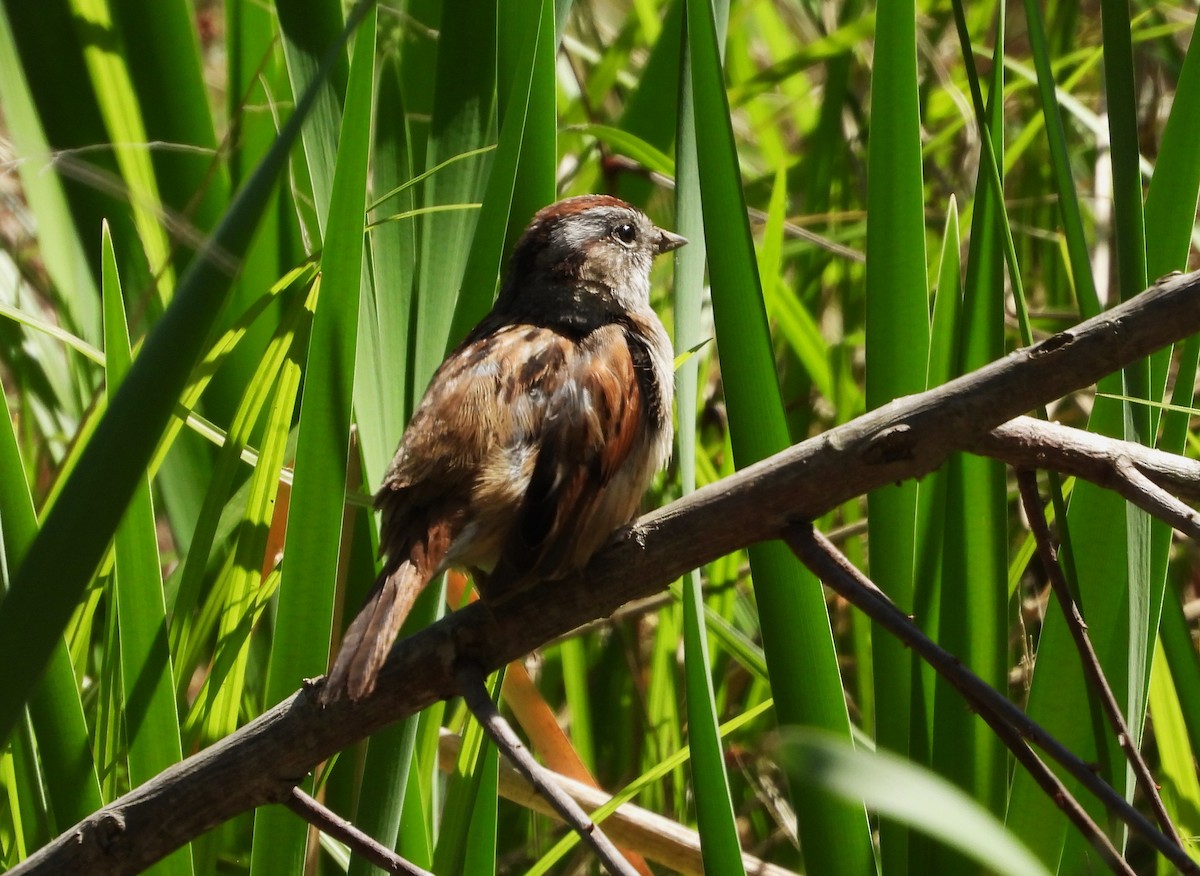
{"points": [[236, 245]]}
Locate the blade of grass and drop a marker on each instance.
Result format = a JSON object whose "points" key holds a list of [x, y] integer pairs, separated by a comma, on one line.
{"points": [[897, 350], [418, 68], [381, 391], [897, 789], [630, 145], [462, 120], [306, 28], [416, 819], [944, 355], [1064, 181], [714, 808], [652, 109], [1169, 214], [55, 708], [1177, 775], [573, 654], [277, 380], [63, 253], [106, 60], [664, 720], [23, 821], [1141, 379], [74, 535], [480, 853], [107, 733], [472, 779], [1176, 638], [500, 201], [525, 29], [304, 615], [148, 691], [170, 93], [18, 522], [795, 626], [784, 305], [972, 620]]}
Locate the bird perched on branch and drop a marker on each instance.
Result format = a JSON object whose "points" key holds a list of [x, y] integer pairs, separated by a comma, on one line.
{"points": [[537, 436]]}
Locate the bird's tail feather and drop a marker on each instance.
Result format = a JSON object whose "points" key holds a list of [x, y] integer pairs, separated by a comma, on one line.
{"points": [[369, 637]]}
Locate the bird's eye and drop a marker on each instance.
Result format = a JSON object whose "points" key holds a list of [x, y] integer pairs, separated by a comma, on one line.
{"points": [[625, 233]]}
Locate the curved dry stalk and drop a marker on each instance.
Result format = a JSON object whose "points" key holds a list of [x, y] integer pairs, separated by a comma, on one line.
{"points": [[656, 837]]}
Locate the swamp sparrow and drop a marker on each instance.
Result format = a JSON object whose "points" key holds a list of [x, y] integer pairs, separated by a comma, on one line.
{"points": [[537, 436]]}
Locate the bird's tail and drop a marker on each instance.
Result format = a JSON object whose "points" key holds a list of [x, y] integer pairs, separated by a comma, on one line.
{"points": [[369, 638]]}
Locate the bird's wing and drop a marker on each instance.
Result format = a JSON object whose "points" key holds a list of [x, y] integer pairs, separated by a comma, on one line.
{"points": [[591, 426], [524, 429]]}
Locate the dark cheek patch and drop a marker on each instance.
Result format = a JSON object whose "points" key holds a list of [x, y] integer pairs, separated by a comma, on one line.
{"points": [[572, 264]]}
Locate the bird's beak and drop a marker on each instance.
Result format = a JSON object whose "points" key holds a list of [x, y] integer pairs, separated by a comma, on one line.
{"points": [[668, 241]]}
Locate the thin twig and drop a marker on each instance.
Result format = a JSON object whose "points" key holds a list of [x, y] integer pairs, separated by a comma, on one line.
{"points": [[1030, 498], [475, 694], [840, 574], [329, 822]]}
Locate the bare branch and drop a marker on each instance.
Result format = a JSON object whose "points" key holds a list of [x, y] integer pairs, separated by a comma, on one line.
{"points": [[1032, 501], [1140, 474], [909, 437], [475, 695], [329, 822], [1008, 722], [1149, 496]]}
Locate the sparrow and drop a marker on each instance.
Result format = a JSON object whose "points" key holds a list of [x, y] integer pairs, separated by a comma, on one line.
{"points": [[538, 434]]}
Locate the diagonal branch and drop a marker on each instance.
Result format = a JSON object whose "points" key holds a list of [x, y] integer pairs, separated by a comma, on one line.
{"points": [[332, 824], [1140, 474], [261, 763], [475, 694], [1006, 720], [1030, 498]]}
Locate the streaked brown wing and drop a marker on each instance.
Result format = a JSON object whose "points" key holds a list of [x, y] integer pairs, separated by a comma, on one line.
{"points": [[520, 435], [460, 424], [591, 426]]}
